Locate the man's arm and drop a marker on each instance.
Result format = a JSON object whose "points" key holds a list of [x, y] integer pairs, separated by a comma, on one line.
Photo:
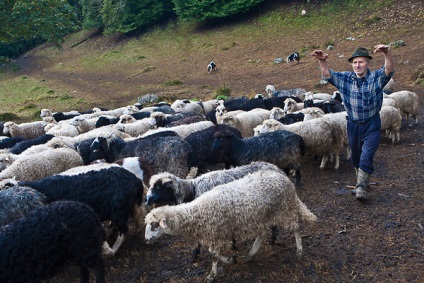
{"points": [[388, 59], [322, 57]]}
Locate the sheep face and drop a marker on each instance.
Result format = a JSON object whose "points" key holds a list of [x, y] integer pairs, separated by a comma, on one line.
{"points": [[97, 149], [269, 126], [276, 113], [161, 191], [5, 161], [154, 230]]}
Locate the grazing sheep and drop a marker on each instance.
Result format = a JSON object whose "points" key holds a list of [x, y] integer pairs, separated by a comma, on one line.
{"points": [[182, 130], [114, 193], [26, 130], [245, 122], [43, 164], [201, 142], [322, 137], [243, 209], [16, 202], [164, 152], [24, 145], [282, 148], [408, 103], [42, 243]]}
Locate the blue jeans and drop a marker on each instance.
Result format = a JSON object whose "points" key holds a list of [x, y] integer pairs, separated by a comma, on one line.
{"points": [[364, 139]]}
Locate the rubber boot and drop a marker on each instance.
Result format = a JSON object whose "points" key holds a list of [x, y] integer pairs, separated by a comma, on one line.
{"points": [[356, 175], [362, 184]]}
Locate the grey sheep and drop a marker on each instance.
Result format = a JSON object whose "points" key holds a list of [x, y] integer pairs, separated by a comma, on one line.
{"points": [[26, 130], [243, 209]]}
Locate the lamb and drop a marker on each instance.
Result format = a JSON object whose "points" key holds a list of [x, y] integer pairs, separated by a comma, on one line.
{"points": [[183, 130], [322, 137], [43, 164], [114, 193], [26, 130], [245, 122], [290, 106], [282, 148], [243, 209], [40, 244], [170, 189], [24, 145], [201, 142], [16, 202], [407, 102], [165, 153]]}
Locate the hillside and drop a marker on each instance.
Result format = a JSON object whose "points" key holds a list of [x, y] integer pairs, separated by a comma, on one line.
{"points": [[171, 61], [380, 240]]}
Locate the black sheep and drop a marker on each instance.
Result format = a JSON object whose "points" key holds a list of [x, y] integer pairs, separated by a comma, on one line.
{"points": [[104, 121], [24, 145], [202, 141], [282, 148], [114, 193], [37, 246], [16, 202], [164, 151], [59, 116], [244, 104], [278, 101], [10, 142]]}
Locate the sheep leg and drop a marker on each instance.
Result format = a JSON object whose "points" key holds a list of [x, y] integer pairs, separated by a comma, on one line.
{"points": [[107, 250], [196, 252], [274, 232], [324, 160], [255, 247], [298, 238], [213, 272], [337, 156]]}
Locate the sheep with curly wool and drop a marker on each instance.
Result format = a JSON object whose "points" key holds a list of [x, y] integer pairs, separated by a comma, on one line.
{"points": [[282, 148], [245, 122], [26, 130], [183, 130], [16, 202], [322, 137], [114, 193], [39, 245], [408, 103], [40, 165], [166, 188], [243, 209], [24, 145]]}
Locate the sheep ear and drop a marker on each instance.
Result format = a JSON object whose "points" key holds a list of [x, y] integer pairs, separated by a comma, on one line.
{"points": [[162, 223]]}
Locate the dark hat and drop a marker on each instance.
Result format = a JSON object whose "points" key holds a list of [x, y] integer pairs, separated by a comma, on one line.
{"points": [[359, 52]]}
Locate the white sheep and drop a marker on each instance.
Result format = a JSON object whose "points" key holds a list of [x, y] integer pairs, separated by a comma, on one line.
{"points": [[137, 128], [221, 110], [26, 130], [183, 130], [389, 87], [40, 165], [388, 101], [62, 128], [83, 125], [290, 105], [391, 120], [407, 102], [246, 121], [318, 96], [322, 137], [240, 210], [181, 105]]}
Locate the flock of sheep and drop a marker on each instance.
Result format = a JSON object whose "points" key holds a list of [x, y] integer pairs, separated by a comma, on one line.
{"points": [[215, 171]]}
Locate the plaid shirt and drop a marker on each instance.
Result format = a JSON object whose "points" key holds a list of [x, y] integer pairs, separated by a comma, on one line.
{"points": [[362, 97]]}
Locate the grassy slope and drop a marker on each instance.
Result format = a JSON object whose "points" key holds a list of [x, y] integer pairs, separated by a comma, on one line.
{"points": [[109, 72]]}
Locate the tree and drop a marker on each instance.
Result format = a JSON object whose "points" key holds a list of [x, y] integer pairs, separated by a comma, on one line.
{"points": [[50, 20], [211, 9]]}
